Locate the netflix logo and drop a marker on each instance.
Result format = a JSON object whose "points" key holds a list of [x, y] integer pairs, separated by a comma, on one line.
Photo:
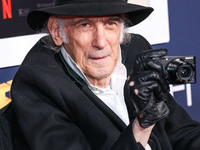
{"points": [[6, 9], [13, 15]]}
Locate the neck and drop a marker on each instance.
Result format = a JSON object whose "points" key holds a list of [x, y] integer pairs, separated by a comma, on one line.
{"points": [[101, 83]]}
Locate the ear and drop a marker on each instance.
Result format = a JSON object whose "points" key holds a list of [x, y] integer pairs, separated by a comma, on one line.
{"points": [[54, 30]]}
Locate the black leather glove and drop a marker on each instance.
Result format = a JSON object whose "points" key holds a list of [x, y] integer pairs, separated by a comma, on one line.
{"points": [[151, 85]]}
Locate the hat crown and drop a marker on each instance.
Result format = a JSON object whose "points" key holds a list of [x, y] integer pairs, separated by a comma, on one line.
{"points": [[59, 2], [37, 19]]}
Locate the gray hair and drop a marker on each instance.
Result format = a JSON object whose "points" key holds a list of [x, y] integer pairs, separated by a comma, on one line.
{"points": [[49, 43]]}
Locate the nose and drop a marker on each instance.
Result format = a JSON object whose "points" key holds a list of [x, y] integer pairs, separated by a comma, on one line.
{"points": [[99, 37]]}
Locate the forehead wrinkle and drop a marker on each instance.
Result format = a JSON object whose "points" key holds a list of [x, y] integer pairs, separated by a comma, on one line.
{"points": [[76, 20]]}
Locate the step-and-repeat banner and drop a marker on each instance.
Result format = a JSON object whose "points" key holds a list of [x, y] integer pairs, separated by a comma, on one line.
{"points": [[16, 39], [13, 16]]}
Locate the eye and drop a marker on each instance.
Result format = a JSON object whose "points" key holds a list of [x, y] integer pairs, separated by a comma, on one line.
{"points": [[85, 25], [110, 23]]}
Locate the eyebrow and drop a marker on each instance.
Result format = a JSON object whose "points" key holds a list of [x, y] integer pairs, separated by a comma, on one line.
{"points": [[80, 20], [114, 18]]}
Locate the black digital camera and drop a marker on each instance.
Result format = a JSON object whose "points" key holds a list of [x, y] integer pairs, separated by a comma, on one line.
{"points": [[180, 69]]}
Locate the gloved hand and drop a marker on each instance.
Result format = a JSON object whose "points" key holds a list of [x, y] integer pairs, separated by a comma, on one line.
{"points": [[149, 87]]}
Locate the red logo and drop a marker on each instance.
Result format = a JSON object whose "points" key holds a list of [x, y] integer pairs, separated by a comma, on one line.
{"points": [[7, 9]]}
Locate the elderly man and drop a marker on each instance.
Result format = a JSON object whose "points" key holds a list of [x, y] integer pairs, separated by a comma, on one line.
{"points": [[71, 92]]}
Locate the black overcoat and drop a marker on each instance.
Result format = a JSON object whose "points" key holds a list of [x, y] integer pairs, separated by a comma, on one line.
{"points": [[53, 109]]}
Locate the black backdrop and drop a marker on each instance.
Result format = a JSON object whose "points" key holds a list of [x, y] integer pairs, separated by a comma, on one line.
{"points": [[16, 26]]}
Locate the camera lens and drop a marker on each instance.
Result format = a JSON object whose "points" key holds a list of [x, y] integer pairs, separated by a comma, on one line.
{"points": [[185, 72]]}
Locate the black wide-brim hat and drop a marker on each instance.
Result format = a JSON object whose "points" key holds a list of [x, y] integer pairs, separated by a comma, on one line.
{"points": [[37, 19]]}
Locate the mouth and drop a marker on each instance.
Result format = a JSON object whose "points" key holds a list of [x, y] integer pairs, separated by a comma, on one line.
{"points": [[99, 58]]}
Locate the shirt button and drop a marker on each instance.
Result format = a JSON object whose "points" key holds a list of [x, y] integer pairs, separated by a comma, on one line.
{"points": [[96, 91]]}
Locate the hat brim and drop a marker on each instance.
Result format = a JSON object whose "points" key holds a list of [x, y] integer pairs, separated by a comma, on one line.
{"points": [[135, 13]]}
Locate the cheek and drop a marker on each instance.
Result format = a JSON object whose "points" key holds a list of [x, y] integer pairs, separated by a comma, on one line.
{"points": [[79, 44], [115, 56], [114, 37], [114, 44]]}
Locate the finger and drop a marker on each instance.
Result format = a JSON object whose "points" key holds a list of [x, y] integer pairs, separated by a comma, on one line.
{"points": [[128, 78], [153, 88], [153, 53], [149, 78], [157, 91], [140, 81], [131, 83], [145, 93], [136, 91], [152, 65], [163, 83]]}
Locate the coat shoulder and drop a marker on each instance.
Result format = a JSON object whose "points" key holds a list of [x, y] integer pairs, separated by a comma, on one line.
{"points": [[130, 49]]}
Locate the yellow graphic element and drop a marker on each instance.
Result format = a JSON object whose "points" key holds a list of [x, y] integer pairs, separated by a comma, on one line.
{"points": [[4, 88]]}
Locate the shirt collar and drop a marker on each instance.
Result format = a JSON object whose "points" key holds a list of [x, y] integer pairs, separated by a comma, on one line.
{"points": [[118, 76]]}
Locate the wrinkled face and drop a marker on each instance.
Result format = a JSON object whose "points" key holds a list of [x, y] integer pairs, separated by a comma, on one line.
{"points": [[93, 43]]}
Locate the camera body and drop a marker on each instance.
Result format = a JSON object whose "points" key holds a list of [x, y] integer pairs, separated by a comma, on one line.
{"points": [[180, 69]]}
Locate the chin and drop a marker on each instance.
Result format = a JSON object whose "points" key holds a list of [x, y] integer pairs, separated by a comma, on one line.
{"points": [[102, 74]]}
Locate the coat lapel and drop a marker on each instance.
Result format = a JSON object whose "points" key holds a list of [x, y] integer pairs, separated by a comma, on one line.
{"points": [[82, 85]]}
